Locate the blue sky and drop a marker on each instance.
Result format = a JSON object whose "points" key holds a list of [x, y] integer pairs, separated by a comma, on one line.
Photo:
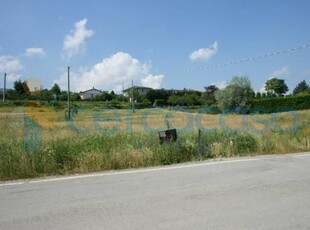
{"points": [[155, 43]]}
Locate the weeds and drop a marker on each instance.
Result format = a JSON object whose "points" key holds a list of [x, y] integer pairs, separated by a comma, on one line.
{"points": [[32, 151]]}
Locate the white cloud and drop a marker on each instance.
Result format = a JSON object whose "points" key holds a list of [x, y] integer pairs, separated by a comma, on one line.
{"points": [[75, 41], [32, 52], [13, 77], [283, 72], [220, 84], [9, 64], [204, 53], [111, 73], [262, 89], [152, 81]]}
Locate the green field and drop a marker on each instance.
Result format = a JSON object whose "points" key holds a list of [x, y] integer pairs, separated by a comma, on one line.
{"points": [[37, 140]]}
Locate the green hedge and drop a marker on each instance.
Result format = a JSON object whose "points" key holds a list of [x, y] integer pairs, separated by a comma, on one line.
{"points": [[280, 104]]}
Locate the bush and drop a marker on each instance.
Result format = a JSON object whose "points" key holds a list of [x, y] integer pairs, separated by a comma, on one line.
{"points": [[89, 153], [57, 105], [160, 103], [229, 143], [184, 150], [212, 109], [19, 103], [280, 104]]}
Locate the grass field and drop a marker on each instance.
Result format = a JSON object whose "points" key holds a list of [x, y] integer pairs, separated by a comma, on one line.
{"points": [[37, 140]]}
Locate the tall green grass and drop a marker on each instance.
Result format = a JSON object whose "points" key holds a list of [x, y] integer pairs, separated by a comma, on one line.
{"points": [[28, 149], [91, 153], [88, 154]]}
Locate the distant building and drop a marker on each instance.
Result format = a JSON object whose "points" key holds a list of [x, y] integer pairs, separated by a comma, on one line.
{"points": [[141, 90], [89, 94]]}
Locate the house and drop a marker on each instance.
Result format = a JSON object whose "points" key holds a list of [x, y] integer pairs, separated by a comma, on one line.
{"points": [[141, 90], [89, 94]]}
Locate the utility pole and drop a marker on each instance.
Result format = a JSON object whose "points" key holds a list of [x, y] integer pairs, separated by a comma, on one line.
{"points": [[4, 87], [132, 100], [69, 105]]}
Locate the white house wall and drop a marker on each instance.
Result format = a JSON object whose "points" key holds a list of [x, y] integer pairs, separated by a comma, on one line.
{"points": [[90, 94]]}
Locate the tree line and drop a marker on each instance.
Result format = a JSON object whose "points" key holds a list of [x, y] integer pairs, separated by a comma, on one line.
{"points": [[238, 96], [21, 91]]}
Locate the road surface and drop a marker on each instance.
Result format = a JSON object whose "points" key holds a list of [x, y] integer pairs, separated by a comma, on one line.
{"points": [[268, 192]]}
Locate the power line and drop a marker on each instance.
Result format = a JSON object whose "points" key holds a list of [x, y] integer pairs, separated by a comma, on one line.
{"points": [[237, 61]]}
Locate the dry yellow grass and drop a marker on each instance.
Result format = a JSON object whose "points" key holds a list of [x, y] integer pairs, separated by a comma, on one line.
{"points": [[39, 141], [106, 121]]}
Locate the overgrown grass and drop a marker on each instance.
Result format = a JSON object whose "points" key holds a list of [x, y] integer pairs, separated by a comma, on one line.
{"points": [[92, 153], [106, 152], [33, 145]]}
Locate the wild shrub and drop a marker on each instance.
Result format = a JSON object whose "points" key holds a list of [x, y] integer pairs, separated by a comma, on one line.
{"points": [[231, 142]]}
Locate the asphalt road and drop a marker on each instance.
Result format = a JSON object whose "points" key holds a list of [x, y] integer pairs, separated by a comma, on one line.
{"points": [[271, 192]]}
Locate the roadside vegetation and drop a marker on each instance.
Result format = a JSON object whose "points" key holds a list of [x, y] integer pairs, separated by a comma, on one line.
{"points": [[36, 139]]}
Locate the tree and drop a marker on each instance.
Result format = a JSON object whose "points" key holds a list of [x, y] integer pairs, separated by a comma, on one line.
{"points": [[301, 87], [258, 95], [63, 96], [209, 95], [46, 95], [236, 96], [75, 97], [26, 88], [105, 96], [56, 90], [21, 88], [113, 95], [157, 94], [186, 99], [277, 86]]}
